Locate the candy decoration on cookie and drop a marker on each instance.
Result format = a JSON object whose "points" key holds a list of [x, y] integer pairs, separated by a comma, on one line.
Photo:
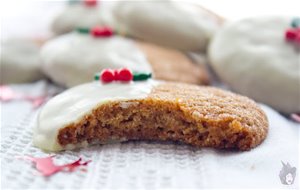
{"points": [[107, 75], [141, 76], [123, 75], [295, 23], [293, 34], [88, 3], [97, 31], [102, 31], [83, 30]]}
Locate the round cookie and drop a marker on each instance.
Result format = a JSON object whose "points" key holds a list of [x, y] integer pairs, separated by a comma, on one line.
{"points": [[97, 113], [82, 13], [255, 59], [73, 58], [20, 61], [178, 25]]}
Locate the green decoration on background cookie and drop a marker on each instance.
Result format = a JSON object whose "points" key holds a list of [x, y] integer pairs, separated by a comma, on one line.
{"points": [[97, 76], [72, 2], [296, 22], [83, 30]]}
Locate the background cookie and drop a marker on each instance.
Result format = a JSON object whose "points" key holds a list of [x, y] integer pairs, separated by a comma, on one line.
{"points": [[20, 61], [102, 113], [73, 59], [178, 25], [172, 65], [255, 59], [82, 13]]}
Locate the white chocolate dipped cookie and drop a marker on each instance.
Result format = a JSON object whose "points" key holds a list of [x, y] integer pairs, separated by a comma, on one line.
{"points": [[81, 13], [20, 61], [101, 113], [178, 25], [255, 57], [73, 58]]}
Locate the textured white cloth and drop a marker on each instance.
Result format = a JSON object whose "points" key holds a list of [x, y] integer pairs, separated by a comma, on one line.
{"points": [[135, 165], [144, 165]]}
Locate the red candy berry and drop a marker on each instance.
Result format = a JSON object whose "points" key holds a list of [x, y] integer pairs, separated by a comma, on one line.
{"points": [[291, 34], [101, 31], [107, 75], [116, 74], [125, 75], [107, 31], [90, 3]]}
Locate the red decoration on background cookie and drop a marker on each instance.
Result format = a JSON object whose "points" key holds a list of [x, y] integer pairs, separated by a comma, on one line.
{"points": [[107, 75], [47, 167], [291, 34], [125, 75], [102, 31], [90, 3]]}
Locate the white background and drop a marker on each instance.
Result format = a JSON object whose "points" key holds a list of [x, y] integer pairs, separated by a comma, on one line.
{"points": [[32, 17]]}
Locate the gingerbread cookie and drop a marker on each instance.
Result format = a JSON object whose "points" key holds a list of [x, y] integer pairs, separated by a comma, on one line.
{"points": [[20, 61], [257, 58], [73, 58], [99, 113], [81, 13], [172, 65], [178, 25]]}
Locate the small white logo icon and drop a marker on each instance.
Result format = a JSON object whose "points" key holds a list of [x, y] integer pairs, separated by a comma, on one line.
{"points": [[287, 174]]}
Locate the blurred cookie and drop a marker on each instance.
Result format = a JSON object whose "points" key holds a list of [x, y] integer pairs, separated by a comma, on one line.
{"points": [[172, 65], [254, 57], [174, 24], [20, 61], [81, 13], [96, 113], [73, 58]]}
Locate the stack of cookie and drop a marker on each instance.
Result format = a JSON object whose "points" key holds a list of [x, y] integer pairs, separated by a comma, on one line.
{"points": [[129, 34], [141, 41], [127, 40], [123, 107]]}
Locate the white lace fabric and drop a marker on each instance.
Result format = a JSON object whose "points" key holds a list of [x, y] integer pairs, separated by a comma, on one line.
{"points": [[146, 165]]}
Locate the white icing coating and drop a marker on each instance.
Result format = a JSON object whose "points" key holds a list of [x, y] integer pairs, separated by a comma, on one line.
{"points": [[178, 25], [20, 61], [80, 15], [75, 103], [74, 58], [254, 58]]}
